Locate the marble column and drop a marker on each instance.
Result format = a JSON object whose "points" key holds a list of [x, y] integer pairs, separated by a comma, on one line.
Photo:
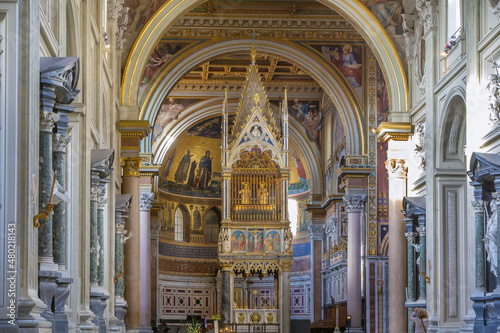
{"points": [[48, 271], [59, 143], [226, 294], [101, 204], [316, 232], [45, 231], [423, 255], [479, 227], [132, 248], [285, 301], [94, 243], [146, 199], [354, 207], [156, 221], [397, 249]]}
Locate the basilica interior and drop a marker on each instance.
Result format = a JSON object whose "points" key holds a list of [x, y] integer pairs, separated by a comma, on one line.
{"points": [[249, 166]]}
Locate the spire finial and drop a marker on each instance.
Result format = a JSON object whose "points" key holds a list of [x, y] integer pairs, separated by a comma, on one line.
{"points": [[253, 50]]}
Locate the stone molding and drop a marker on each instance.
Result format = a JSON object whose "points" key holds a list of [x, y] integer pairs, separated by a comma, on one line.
{"points": [[396, 168], [61, 74], [146, 200], [101, 162], [60, 142], [428, 13], [354, 203], [131, 166]]}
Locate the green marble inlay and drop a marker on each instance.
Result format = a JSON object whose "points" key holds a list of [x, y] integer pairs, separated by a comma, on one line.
{"points": [[411, 272], [119, 287], [421, 279], [479, 250], [93, 241], [45, 175], [59, 236], [100, 239]]}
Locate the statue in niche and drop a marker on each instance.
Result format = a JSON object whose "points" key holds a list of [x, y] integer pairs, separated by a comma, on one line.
{"points": [[262, 194], [288, 241], [245, 194], [490, 238], [494, 88]]}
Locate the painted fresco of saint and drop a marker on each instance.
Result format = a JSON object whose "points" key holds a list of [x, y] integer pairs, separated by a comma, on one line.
{"points": [[269, 243], [251, 243], [259, 243], [205, 170], [183, 168], [300, 167], [234, 243], [241, 242], [167, 113], [277, 244]]}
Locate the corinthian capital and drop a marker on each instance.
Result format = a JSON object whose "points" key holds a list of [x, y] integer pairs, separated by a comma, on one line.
{"points": [[146, 199], [131, 166], [60, 142], [354, 203], [316, 232], [478, 206], [396, 168], [47, 121]]}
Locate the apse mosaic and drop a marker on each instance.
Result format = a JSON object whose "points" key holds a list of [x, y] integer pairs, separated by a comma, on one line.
{"points": [[189, 168]]}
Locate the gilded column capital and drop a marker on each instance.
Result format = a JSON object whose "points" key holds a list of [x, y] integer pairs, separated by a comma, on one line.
{"points": [[478, 206], [286, 265], [60, 142], [354, 203], [131, 166], [396, 168], [146, 199], [47, 121], [225, 265]]}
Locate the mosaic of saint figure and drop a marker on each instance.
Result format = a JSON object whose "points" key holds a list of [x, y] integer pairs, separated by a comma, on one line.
{"points": [[205, 171], [183, 168]]}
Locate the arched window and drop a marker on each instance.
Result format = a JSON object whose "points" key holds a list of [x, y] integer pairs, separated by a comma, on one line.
{"points": [[179, 225], [454, 20], [212, 220]]}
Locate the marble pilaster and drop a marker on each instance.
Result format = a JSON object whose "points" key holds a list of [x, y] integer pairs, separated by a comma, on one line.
{"points": [[397, 171], [354, 207], [479, 231], [423, 254], [285, 310], [146, 199]]}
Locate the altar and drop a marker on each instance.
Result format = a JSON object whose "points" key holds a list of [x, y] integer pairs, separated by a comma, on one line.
{"points": [[256, 316]]}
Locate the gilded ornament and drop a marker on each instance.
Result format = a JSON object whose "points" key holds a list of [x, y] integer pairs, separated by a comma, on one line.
{"points": [[131, 166]]}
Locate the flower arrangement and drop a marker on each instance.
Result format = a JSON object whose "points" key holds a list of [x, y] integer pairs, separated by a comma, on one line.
{"points": [[216, 317], [193, 327]]}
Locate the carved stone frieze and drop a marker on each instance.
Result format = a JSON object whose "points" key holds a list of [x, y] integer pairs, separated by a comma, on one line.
{"points": [[428, 13], [396, 168], [354, 203], [146, 199], [419, 140], [121, 21], [409, 34], [454, 134], [494, 97]]}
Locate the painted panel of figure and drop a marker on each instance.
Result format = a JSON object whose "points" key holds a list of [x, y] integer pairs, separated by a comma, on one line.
{"points": [[238, 242], [299, 181], [348, 58], [255, 240], [196, 219], [170, 110], [273, 242]]}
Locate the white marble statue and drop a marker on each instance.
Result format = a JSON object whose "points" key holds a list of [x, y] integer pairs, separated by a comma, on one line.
{"points": [[490, 238]]}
